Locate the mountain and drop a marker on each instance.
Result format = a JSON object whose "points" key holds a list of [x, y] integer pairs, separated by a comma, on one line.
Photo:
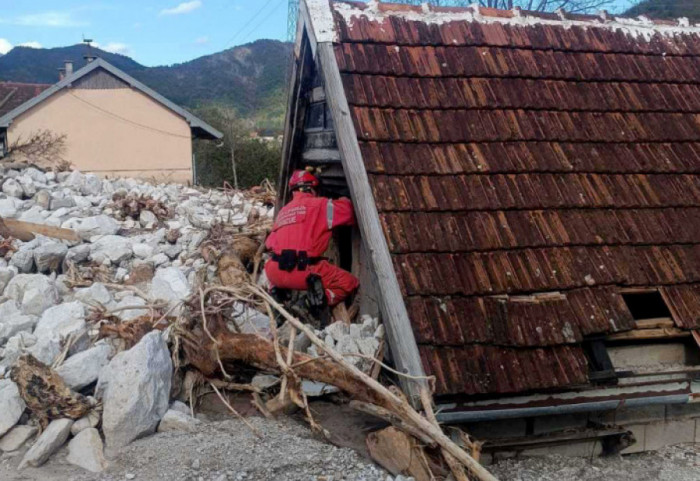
{"points": [[250, 78], [670, 9]]}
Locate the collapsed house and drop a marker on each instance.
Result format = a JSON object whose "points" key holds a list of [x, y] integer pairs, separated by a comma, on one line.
{"points": [[527, 194]]}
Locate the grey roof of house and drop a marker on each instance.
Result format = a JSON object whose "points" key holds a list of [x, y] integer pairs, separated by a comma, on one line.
{"points": [[199, 127]]}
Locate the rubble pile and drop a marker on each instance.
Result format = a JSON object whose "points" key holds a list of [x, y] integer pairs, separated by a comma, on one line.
{"points": [[91, 328]]}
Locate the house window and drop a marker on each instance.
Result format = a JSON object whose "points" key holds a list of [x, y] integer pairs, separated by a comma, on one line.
{"points": [[646, 304]]}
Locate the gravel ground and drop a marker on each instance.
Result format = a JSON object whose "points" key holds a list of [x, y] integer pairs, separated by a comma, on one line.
{"points": [[676, 463], [218, 451]]}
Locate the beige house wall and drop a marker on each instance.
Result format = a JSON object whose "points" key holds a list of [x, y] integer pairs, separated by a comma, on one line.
{"points": [[113, 133]]}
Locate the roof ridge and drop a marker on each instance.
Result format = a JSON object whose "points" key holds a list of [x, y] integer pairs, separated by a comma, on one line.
{"points": [[639, 26]]}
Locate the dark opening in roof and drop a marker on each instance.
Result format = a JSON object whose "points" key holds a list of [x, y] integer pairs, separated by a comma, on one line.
{"points": [[646, 305]]}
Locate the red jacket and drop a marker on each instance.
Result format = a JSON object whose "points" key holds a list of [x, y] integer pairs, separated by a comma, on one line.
{"points": [[305, 224]]}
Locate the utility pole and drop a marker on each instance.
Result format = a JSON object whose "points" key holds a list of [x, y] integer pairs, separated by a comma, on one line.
{"points": [[292, 15], [230, 117]]}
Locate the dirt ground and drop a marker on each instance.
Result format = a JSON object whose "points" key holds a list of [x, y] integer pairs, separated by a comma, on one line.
{"points": [[227, 450]]}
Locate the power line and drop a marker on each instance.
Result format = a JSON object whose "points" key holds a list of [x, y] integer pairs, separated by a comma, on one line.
{"points": [[112, 114], [264, 18], [250, 20]]}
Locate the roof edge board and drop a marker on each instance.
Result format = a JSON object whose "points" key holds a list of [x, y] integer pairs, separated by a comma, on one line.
{"points": [[320, 25], [395, 315], [192, 120]]}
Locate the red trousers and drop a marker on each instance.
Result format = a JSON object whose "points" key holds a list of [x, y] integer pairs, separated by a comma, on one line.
{"points": [[338, 283]]}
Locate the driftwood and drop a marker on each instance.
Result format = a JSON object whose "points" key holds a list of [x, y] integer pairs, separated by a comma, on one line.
{"points": [[45, 392], [209, 352], [25, 231]]}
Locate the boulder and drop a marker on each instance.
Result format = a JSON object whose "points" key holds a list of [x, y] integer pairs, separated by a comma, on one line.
{"points": [[35, 174], [76, 255], [170, 284], [61, 321], [84, 368], [12, 321], [35, 215], [5, 276], [143, 250], [16, 437], [180, 406], [43, 199], [46, 349], [27, 184], [88, 227], [53, 437], [148, 219], [89, 421], [112, 247], [12, 188], [34, 292], [177, 421], [86, 451], [23, 261], [91, 185], [129, 314], [8, 207], [135, 389], [14, 347], [12, 405], [95, 295], [49, 257], [60, 202]]}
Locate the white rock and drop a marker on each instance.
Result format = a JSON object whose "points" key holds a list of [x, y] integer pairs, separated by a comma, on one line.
{"points": [[23, 261], [92, 185], [58, 202], [159, 259], [12, 188], [49, 257], [48, 443], [95, 295], [177, 421], [43, 199], [92, 226], [170, 284], [8, 207], [35, 174], [34, 292], [75, 179], [27, 184], [35, 215], [113, 247], [15, 346], [250, 321], [84, 368], [147, 219], [46, 349], [180, 406], [12, 321], [135, 389], [16, 437], [264, 381], [315, 389], [337, 330], [12, 405], [86, 450], [129, 314], [90, 421], [61, 321], [143, 250], [5, 276]]}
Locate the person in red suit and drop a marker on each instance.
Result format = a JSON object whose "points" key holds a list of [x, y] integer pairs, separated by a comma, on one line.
{"points": [[301, 234]]}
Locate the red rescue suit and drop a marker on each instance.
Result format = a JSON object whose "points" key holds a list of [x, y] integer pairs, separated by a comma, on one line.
{"points": [[305, 225]]}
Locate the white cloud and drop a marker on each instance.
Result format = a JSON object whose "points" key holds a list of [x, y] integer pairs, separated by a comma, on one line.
{"points": [[48, 19], [5, 46], [184, 7], [115, 47], [201, 40], [30, 45]]}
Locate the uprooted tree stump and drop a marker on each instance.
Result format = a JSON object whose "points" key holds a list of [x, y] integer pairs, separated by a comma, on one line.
{"points": [[46, 394]]}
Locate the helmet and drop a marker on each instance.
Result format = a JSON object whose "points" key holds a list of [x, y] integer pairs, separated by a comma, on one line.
{"points": [[302, 178]]}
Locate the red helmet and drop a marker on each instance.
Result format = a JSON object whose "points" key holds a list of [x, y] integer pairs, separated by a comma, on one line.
{"points": [[302, 178]]}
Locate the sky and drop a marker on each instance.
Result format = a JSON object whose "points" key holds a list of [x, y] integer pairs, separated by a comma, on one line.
{"points": [[152, 32]]}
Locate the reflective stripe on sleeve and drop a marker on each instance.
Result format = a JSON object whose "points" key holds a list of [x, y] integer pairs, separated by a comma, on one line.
{"points": [[329, 214]]}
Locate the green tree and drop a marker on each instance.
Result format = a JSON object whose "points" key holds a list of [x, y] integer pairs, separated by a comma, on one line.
{"points": [[256, 159]]}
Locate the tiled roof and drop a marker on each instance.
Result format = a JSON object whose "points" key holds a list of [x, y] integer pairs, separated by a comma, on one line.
{"points": [[13, 94], [525, 168]]}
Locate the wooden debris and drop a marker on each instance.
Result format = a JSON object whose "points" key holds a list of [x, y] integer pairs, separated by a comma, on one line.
{"points": [[132, 205], [45, 393], [661, 333], [26, 231], [399, 453]]}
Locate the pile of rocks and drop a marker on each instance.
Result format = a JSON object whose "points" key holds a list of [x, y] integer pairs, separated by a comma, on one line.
{"points": [[44, 312]]}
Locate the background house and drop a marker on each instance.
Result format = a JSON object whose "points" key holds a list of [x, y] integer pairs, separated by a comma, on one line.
{"points": [[113, 124], [528, 191]]}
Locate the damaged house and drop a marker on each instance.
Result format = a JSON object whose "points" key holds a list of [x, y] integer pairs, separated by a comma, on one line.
{"points": [[527, 188], [113, 124]]}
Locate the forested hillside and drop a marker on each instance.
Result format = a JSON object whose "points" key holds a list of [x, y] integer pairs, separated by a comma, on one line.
{"points": [[250, 78], [668, 9]]}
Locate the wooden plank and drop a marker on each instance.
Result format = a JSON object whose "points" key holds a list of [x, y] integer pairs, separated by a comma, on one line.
{"points": [[661, 333], [654, 323], [402, 342], [25, 231], [398, 453]]}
